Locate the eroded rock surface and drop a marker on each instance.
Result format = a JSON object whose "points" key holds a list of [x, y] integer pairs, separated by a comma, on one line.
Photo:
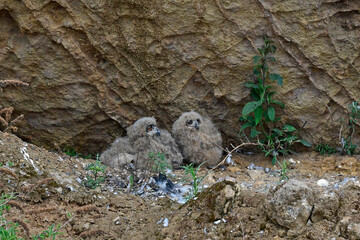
{"points": [[94, 67], [290, 205]]}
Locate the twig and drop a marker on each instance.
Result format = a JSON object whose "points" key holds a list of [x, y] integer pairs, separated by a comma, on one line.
{"points": [[13, 122], [340, 132], [64, 224], [239, 146], [332, 120]]}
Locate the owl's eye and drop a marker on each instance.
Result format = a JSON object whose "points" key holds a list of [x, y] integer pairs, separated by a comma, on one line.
{"points": [[149, 128], [198, 120], [189, 122]]}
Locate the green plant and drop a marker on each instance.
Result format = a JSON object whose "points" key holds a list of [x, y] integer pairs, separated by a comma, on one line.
{"points": [[160, 164], [283, 171], [260, 114], [281, 141], [96, 169], [72, 153], [131, 183], [193, 179], [324, 149], [49, 233], [9, 230], [347, 146], [8, 163]]}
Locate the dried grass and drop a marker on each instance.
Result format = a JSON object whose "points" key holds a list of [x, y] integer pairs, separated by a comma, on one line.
{"points": [[87, 208], [12, 82], [41, 210], [5, 113], [24, 225], [15, 204], [8, 172]]}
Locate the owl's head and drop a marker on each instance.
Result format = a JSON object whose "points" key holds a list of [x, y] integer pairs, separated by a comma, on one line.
{"points": [[191, 121], [143, 127]]}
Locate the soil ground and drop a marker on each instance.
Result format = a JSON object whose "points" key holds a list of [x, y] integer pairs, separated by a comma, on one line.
{"points": [[49, 186]]}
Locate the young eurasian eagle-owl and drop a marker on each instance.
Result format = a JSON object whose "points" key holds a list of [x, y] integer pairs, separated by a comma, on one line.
{"points": [[143, 138], [198, 139]]}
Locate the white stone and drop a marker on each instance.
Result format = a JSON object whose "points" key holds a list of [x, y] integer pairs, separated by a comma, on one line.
{"points": [[166, 222], [322, 183]]}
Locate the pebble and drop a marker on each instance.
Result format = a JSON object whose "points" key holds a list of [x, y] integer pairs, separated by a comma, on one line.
{"points": [[59, 190], [217, 222], [166, 222], [322, 183], [117, 220]]}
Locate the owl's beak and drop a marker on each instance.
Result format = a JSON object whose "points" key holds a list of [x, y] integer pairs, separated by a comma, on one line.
{"points": [[196, 126], [157, 133]]}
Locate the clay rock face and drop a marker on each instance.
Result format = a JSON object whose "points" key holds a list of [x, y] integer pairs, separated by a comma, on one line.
{"points": [[94, 67]]}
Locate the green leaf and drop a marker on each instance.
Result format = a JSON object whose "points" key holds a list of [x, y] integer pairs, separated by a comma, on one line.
{"points": [[271, 59], [267, 117], [291, 138], [268, 87], [254, 133], [271, 113], [244, 126], [305, 143], [272, 49], [257, 59], [258, 115], [274, 159], [261, 51], [256, 71], [277, 131], [278, 103], [255, 94], [270, 94], [289, 128], [242, 119], [251, 85], [276, 77], [250, 107]]}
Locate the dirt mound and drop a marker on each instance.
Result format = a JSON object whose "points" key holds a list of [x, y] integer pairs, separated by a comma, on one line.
{"points": [[245, 201]]}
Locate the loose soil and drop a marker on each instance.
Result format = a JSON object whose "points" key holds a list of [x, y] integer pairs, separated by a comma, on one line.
{"points": [[49, 186]]}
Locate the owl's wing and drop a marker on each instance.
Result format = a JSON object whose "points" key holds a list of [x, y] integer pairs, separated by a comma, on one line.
{"points": [[119, 153]]}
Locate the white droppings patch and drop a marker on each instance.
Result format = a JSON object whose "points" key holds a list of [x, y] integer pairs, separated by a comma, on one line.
{"points": [[26, 156]]}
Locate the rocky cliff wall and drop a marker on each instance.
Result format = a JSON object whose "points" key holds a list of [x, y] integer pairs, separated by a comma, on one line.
{"points": [[95, 66]]}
